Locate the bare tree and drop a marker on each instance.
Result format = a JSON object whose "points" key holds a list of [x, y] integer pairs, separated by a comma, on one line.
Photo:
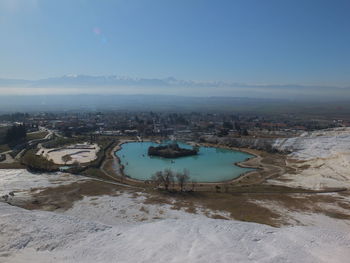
{"points": [[193, 185], [66, 158], [168, 178], [183, 178], [227, 188], [165, 178], [156, 178]]}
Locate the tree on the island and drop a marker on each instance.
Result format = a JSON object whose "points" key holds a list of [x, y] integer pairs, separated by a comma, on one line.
{"points": [[182, 178], [66, 158], [195, 148], [164, 178]]}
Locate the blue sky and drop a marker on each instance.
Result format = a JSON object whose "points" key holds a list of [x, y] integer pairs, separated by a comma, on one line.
{"points": [[247, 41]]}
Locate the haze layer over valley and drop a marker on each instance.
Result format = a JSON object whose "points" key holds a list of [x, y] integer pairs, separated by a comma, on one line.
{"points": [[174, 131]]}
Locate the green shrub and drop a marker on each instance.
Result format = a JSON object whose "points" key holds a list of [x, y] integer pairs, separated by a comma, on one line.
{"points": [[38, 163]]}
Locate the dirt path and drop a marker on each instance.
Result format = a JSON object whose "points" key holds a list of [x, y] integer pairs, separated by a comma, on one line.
{"points": [[113, 178]]}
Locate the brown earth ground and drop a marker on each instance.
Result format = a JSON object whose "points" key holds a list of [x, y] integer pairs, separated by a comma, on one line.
{"points": [[267, 165], [247, 198], [239, 206]]}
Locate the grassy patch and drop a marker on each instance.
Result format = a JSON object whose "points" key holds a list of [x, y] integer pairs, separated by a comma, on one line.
{"points": [[37, 162], [337, 215], [64, 196], [36, 135], [95, 172], [15, 165], [240, 203], [263, 189], [217, 216], [4, 148], [239, 206]]}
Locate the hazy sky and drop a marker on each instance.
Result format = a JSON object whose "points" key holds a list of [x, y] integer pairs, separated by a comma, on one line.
{"points": [[250, 41]]}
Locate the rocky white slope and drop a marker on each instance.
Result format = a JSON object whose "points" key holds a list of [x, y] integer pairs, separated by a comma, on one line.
{"points": [[21, 181], [323, 159], [96, 229], [28, 236], [317, 144]]}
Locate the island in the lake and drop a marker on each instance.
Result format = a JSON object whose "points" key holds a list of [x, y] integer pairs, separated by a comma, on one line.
{"points": [[172, 150]]}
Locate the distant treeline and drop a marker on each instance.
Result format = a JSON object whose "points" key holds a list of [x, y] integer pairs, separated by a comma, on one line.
{"points": [[15, 134], [18, 116]]}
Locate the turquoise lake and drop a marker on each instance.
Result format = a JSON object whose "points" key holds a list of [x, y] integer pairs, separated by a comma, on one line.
{"points": [[210, 165]]}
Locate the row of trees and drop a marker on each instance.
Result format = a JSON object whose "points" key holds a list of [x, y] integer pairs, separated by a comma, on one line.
{"points": [[16, 134], [38, 162], [168, 178]]}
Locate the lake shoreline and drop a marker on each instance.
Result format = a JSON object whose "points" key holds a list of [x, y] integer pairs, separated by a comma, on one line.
{"points": [[253, 162]]}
